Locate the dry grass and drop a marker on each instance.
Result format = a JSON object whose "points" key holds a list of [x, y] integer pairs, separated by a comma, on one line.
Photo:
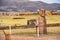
{"points": [[53, 19], [7, 20]]}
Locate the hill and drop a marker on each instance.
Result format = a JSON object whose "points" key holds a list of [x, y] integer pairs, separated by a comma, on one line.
{"points": [[25, 5]]}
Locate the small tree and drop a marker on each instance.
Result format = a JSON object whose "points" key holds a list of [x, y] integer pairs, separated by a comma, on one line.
{"points": [[7, 35]]}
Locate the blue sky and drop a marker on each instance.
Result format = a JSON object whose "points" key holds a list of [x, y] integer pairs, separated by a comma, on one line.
{"points": [[48, 1]]}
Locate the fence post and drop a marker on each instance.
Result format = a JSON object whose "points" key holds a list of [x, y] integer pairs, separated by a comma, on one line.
{"points": [[42, 21], [10, 29], [37, 31], [37, 27]]}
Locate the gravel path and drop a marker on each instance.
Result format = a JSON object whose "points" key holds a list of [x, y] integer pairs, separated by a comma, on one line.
{"points": [[15, 37]]}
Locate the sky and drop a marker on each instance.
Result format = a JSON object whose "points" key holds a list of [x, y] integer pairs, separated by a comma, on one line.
{"points": [[48, 1]]}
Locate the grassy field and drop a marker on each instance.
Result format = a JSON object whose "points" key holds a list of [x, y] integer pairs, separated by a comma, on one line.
{"points": [[30, 31], [8, 20], [53, 19]]}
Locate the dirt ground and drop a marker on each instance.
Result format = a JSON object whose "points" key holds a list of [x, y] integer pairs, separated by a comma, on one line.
{"points": [[17, 37]]}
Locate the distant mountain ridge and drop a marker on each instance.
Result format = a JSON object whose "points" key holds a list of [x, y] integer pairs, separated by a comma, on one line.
{"points": [[27, 5]]}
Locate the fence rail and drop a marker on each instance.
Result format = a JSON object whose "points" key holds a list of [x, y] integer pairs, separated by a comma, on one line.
{"points": [[53, 25], [25, 26]]}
